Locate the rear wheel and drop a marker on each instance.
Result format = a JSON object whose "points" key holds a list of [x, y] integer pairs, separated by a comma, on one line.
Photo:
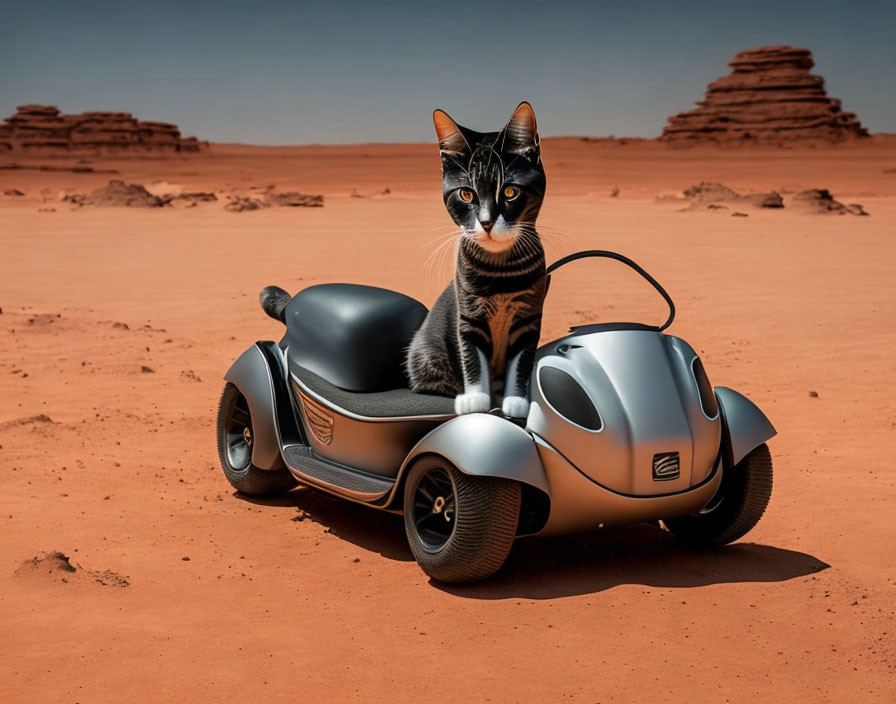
{"points": [[460, 527], [737, 506], [235, 437]]}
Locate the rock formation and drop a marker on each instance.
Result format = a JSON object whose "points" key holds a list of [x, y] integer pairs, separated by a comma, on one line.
{"points": [[820, 201], [770, 97], [44, 128], [717, 196]]}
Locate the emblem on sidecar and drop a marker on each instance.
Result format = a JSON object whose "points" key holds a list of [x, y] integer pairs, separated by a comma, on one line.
{"points": [[666, 466]]}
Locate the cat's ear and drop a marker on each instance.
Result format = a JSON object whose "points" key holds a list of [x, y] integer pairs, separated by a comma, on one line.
{"points": [[520, 134], [451, 139]]}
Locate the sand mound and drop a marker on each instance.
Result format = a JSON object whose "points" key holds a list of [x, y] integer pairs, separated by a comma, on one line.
{"points": [[717, 196], [54, 566], [30, 420], [118, 193], [44, 128], [769, 97], [273, 199], [51, 566]]}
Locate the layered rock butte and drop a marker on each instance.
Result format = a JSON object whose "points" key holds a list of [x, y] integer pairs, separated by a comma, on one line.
{"points": [[769, 97], [44, 128]]}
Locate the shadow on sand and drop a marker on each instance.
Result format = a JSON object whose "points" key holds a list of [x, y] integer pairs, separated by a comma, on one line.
{"points": [[547, 568], [368, 528]]}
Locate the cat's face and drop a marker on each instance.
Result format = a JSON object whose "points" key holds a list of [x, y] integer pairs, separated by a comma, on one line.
{"points": [[492, 183]]}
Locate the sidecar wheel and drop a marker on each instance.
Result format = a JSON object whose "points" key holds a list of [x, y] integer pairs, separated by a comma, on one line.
{"points": [[734, 510], [235, 433], [460, 527]]}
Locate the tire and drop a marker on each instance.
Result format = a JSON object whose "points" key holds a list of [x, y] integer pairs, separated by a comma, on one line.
{"points": [[235, 432], [734, 510], [480, 520]]}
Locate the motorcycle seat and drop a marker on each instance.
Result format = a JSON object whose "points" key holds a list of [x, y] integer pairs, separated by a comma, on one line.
{"points": [[354, 337]]}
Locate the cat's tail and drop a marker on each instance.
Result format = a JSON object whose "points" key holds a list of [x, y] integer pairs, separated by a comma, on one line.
{"points": [[274, 301]]}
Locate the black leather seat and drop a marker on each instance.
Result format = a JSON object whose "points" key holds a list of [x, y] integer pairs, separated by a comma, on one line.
{"points": [[354, 337]]}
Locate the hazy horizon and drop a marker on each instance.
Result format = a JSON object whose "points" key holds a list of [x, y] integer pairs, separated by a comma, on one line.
{"points": [[279, 73]]}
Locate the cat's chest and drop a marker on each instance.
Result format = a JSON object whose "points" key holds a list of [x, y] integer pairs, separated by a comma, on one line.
{"points": [[500, 311]]}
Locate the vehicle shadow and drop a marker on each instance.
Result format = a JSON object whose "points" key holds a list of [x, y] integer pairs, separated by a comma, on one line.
{"points": [[548, 568], [368, 528]]}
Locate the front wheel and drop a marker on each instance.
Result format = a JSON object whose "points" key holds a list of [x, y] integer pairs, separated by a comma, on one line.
{"points": [[737, 506], [235, 437], [460, 527]]}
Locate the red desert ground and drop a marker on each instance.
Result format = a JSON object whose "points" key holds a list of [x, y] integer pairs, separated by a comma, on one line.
{"points": [[118, 322]]}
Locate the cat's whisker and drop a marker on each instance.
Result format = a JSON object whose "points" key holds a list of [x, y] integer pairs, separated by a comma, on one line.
{"points": [[436, 263], [441, 238]]}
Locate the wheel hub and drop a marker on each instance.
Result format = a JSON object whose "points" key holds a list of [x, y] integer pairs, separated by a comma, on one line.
{"points": [[434, 507], [238, 433]]}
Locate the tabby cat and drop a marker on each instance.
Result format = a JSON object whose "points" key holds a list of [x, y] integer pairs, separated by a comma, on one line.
{"points": [[480, 337]]}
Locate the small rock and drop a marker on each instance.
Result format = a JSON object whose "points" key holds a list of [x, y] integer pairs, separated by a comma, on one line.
{"points": [[147, 370], [13, 192], [185, 558], [813, 394], [239, 204], [737, 214], [614, 192]]}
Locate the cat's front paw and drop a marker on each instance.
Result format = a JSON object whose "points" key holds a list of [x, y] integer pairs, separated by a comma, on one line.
{"points": [[473, 402], [515, 407]]}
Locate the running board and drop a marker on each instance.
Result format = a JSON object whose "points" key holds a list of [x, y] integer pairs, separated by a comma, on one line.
{"points": [[350, 483]]}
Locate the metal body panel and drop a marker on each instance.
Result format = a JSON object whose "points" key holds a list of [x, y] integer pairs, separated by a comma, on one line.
{"points": [[746, 427], [487, 446], [578, 503], [642, 385], [251, 374], [374, 445]]}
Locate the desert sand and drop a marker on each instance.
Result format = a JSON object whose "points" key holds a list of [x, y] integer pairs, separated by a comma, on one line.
{"points": [[118, 323]]}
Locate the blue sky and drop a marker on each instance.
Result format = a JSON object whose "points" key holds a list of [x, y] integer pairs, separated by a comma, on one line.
{"points": [[274, 72]]}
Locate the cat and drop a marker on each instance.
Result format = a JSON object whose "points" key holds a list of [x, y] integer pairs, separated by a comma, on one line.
{"points": [[480, 337]]}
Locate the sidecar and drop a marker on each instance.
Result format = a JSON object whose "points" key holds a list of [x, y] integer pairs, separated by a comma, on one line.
{"points": [[623, 427]]}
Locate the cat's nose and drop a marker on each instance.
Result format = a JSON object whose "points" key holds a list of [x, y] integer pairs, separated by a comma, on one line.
{"points": [[487, 225]]}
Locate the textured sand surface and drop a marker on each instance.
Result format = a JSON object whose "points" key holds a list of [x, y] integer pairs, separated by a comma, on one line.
{"points": [[115, 466]]}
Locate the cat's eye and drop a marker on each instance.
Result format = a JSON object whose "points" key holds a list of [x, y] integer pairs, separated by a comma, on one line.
{"points": [[511, 192], [466, 195]]}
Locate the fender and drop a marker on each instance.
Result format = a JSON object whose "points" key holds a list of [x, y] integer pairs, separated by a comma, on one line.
{"points": [[744, 426], [486, 446], [258, 374]]}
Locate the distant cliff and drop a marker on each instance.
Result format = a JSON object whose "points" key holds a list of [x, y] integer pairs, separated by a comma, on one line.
{"points": [[44, 128]]}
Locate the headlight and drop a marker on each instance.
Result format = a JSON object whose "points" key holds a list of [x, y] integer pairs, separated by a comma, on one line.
{"points": [[707, 396], [568, 399]]}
